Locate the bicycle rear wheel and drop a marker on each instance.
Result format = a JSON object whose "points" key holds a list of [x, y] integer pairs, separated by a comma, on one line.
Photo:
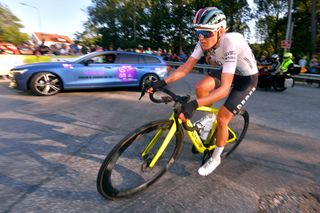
{"points": [[125, 172], [239, 124]]}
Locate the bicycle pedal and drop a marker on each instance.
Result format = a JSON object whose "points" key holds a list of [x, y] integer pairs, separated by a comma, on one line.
{"points": [[206, 155]]}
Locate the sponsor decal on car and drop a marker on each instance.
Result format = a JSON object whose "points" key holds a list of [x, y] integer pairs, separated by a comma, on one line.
{"points": [[94, 75], [127, 73]]}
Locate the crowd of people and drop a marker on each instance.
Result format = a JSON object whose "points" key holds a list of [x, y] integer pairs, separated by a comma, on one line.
{"points": [[310, 66], [81, 49], [306, 66]]}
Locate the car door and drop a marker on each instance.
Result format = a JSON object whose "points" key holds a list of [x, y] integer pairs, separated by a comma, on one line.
{"points": [[97, 71], [127, 69]]}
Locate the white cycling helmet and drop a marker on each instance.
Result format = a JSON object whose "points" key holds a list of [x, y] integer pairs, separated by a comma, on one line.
{"points": [[209, 18]]}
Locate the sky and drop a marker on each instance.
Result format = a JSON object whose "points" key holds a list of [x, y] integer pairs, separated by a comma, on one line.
{"points": [[63, 17]]}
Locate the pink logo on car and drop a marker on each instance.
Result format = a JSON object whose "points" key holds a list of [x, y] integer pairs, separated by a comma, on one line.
{"points": [[127, 73]]}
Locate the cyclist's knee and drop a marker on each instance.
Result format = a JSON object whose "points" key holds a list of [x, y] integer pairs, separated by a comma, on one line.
{"points": [[203, 88], [224, 116], [222, 121]]}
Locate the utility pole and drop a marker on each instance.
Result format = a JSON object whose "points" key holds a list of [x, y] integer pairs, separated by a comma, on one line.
{"points": [[134, 20], [313, 28], [289, 25]]}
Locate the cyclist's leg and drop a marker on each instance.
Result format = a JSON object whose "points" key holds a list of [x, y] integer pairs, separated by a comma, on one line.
{"points": [[223, 118], [240, 93], [242, 90], [208, 83]]}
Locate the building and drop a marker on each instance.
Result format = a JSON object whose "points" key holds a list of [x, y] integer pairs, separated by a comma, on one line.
{"points": [[50, 39]]}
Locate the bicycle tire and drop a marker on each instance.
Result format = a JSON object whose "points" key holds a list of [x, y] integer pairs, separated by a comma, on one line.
{"points": [[239, 124], [124, 173]]}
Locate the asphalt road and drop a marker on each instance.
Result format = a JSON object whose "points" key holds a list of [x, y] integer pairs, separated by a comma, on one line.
{"points": [[52, 148]]}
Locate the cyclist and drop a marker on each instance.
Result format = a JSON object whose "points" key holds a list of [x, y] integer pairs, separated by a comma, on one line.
{"points": [[239, 68]]}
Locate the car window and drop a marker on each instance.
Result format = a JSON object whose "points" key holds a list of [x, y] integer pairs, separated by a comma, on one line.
{"points": [[110, 58], [128, 59], [100, 59], [151, 60], [104, 59]]}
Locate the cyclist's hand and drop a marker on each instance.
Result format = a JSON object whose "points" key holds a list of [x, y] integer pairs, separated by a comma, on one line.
{"points": [[155, 85], [187, 110]]}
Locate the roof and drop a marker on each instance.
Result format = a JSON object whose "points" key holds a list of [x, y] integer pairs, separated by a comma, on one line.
{"points": [[52, 37]]}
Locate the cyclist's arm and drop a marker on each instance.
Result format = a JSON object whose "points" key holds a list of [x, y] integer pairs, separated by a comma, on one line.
{"points": [[182, 70], [219, 93]]}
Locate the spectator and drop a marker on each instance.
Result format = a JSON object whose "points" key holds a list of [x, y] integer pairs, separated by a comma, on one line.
{"points": [[64, 50], [314, 65], [149, 51], [165, 55], [92, 48], [54, 49], [140, 49], [183, 57], [303, 64], [43, 49], [175, 57], [74, 49], [99, 48], [84, 49]]}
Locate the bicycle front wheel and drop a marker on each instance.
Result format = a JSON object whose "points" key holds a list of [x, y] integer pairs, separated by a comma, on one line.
{"points": [[239, 125], [126, 170]]}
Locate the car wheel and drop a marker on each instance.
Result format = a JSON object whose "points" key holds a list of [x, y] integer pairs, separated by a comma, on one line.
{"points": [[149, 78], [45, 84]]}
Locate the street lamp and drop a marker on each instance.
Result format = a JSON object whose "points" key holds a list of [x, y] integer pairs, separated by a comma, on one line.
{"points": [[39, 18]]}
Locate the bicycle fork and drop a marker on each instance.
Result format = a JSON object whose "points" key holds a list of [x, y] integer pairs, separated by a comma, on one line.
{"points": [[164, 144]]}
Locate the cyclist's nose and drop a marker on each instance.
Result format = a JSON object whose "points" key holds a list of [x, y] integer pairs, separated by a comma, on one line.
{"points": [[200, 37]]}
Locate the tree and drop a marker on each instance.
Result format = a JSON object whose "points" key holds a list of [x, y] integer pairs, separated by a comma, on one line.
{"points": [[156, 23], [10, 27], [271, 24], [302, 27]]}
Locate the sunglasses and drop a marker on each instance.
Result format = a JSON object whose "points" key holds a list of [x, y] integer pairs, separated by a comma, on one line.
{"points": [[204, 33]]}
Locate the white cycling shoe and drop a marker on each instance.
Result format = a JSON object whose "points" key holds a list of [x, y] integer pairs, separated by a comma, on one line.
{"points": [[209, 166]]}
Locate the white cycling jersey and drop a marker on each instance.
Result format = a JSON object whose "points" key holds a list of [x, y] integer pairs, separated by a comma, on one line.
{"points": [[233, 54]]}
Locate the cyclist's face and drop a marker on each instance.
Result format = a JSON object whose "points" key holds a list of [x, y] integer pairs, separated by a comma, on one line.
{"points": [[208, 42]]}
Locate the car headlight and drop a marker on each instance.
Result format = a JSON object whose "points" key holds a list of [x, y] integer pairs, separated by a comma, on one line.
{"points": [[18, 71]]}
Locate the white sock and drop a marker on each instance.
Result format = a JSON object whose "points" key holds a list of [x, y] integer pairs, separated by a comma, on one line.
{"points": [[217, 152]]}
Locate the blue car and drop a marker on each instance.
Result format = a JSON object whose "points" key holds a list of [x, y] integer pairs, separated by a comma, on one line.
{"points": [[94, 70]]}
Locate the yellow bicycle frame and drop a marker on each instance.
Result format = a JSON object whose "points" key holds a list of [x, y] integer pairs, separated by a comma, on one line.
{"points": [[193, 135]]}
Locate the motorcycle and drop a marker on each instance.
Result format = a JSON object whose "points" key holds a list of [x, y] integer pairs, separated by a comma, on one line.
{"points": [[270, 76]]}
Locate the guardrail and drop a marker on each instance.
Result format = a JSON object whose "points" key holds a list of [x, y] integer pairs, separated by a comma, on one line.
{"points": [[307, 77], [202, 68]]}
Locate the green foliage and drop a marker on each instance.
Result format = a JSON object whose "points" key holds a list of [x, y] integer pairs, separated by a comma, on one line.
{"points": [[271, 26], [155, 23], [168, 23], [10, 27]]}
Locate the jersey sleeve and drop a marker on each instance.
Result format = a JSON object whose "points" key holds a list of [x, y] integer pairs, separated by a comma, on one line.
{"points": [[197, 52], [229, 55]]}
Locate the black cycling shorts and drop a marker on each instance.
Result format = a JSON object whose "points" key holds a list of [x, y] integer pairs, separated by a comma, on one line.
{"points": [[242, 89]]}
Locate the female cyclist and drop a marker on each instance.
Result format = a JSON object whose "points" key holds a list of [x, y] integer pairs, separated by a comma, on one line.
{"points": [[239, 74]]}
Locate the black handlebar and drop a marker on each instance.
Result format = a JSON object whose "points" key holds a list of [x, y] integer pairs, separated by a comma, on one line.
{"points": [[179, 100], [166, 99]]}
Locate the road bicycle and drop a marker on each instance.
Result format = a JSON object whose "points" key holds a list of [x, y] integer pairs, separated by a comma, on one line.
{"points": [[145, 154]]}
